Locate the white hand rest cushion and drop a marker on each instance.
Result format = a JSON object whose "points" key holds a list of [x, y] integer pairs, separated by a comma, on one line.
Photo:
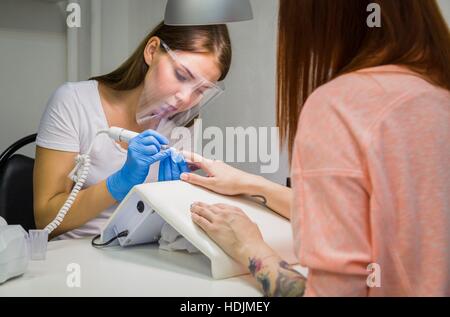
{"points": [[170, 202], [171, 240]]}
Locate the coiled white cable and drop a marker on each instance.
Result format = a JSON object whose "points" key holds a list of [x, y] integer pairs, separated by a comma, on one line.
{"points": [[79, 175]]}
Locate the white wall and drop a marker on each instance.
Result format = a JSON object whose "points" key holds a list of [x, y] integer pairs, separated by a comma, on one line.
{"points": [[115, 24], [146, 16], [32, 64], [125, 23], [249, 100], [445, 8]]}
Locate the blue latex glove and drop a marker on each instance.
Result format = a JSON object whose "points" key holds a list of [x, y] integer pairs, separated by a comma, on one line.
{"points": [[171, 168], [143, 151]]}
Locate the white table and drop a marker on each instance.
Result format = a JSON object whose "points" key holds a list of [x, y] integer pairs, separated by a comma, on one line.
{"points": [[115, 271]]}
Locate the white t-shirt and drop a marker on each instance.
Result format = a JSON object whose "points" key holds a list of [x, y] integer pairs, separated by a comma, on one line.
{"points": [[73, 116]]}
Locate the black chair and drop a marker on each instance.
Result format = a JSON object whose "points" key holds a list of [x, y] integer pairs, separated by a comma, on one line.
{"points": [[16, 185]]}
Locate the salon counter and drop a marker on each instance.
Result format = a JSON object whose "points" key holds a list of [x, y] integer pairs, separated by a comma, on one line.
{"points": [[115, 271]]}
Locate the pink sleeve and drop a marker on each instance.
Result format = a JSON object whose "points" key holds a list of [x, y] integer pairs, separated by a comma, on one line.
{"points": [[331, 205]]}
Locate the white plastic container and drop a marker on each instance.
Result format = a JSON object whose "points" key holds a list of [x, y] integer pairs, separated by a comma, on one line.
{"points": [[14, 252]]}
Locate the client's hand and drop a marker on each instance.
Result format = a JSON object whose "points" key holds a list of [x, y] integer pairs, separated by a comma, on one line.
{"points": [[221, 178], [232, 230]]}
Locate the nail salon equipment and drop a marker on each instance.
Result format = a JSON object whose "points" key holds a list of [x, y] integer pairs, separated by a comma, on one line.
{"points": [[140, 217], [17, 246], [14, 251], [171, 240]]}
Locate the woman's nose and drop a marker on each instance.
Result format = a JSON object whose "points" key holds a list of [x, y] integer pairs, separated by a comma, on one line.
{"points": [[184, 95]]}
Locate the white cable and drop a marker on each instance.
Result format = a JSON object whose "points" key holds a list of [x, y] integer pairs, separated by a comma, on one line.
{"points": [[79, 175]]}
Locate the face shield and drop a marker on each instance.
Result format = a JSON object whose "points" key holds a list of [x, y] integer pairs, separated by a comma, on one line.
{"points": [[178, 93]]}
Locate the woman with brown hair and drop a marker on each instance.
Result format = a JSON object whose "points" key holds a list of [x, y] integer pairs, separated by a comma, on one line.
{"points": [[366, 114], [162, 85]]}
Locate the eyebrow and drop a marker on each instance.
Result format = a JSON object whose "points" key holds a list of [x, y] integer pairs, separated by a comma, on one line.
{"points": [[173, 55], [188, 71]]}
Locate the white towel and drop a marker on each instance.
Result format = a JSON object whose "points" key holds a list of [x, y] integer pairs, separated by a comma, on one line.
{"points": [[171, 241]]}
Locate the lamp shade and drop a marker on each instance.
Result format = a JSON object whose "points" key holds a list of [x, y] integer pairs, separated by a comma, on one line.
{"points": [[205, 12]]}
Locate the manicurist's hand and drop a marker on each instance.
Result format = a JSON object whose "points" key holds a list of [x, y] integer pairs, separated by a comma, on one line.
{"points": [[171, 168], [143, 151]]}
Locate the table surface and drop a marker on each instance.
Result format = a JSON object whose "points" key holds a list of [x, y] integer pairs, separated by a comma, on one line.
{"points": [[114, 271]]}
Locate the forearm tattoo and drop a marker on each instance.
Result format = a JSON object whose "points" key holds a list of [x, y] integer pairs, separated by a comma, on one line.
{"points": [[277, 280]]}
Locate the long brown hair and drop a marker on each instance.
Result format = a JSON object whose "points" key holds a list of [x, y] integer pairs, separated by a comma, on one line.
{"points": [[320, 40], [196, 39]]}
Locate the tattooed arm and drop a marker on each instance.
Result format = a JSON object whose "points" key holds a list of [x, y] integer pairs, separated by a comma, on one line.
{"points": [[276, 277], [240, 238]]}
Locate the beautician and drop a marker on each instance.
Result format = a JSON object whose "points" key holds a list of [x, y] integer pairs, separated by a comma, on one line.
{"points": [[366, 114], [162, 85]]}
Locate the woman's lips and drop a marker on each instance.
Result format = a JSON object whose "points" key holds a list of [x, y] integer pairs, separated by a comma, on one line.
{"points": [[168, 109], [172, 109], [165, 110]]}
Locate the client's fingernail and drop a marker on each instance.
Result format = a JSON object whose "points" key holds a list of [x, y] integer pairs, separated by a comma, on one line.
{"points": [[184, 177]]}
